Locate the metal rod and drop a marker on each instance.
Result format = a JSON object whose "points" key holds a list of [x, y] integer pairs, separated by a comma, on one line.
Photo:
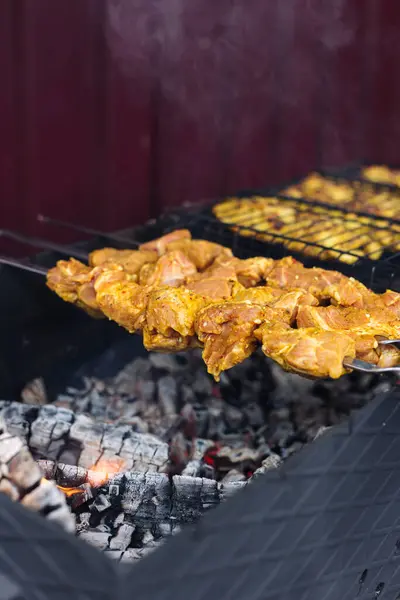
{"points": [[40, 243], [20, 264], [88, 230]]}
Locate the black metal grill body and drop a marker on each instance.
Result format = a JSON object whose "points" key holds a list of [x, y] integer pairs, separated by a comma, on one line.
{"points": [[325, 527]]}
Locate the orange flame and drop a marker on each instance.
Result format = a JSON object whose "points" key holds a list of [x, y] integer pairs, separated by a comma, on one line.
{"points": [[70, 491], [101, 472]]}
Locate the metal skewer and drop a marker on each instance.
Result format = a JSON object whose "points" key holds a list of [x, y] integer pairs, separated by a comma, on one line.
{"points": [[20, 264], [88, 231], [40, 243], [365, 367]]}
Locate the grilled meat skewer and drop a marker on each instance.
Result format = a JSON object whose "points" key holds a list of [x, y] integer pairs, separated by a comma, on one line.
{"points": [[308, 320]]}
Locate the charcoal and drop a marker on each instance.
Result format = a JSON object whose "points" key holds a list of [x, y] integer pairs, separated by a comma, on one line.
{"points": [[114, 554], [97, 539], [101, 503], [21, 480], [166, 362], [273, 461], [192, 468], [35, 392], [123, 538], [167, 394], [55, 430], [168, 443], [233, 475]]}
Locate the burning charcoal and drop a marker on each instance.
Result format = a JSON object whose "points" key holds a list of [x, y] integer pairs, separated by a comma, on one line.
{"points": [[89, 435], [34, 392], [233, 476], [198, 494], [226, 490], [101, 503], [81, 497], [202, 384], [193, 468], [136, 423], [114, 554], [254, 414], [187, 394], [321, 431], [200, 448], [131, 555], [50, 501], [233, 416], [273, 461], [207, 471], [179, 453], [166, 362], [17, 417], [97, 539], [143, 452], [21, 479], [123, 538], [167, 395]]}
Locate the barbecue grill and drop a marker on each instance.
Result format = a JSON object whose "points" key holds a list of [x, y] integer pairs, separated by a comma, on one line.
{"points": [[266, 486], [283, 500]]}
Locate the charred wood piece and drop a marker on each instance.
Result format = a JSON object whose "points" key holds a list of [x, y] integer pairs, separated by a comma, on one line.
{"points": [[149, 499]]}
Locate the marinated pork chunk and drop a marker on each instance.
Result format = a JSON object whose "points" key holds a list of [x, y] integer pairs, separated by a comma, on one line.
{"points": [[227, 332], [160, 244], [310, 351], [173, 268], [70, 279], [130, 260], [171, 313]]}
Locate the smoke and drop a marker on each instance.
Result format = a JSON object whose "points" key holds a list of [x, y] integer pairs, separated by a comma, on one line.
{"points": [[210, 59]]}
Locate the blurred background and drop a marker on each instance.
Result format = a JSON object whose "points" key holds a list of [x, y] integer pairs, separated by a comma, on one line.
{"points": [[111, 111]]}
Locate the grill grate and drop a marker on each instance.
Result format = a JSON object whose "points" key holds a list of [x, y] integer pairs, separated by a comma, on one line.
{"points": [[325, 216]]}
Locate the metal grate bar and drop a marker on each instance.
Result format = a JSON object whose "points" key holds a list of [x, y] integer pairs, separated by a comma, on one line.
{"points": [[43, 244], [88, 230], [20, 264]]}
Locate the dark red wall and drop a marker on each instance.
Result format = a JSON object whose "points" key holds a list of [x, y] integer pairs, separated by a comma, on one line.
{"points": [[111, 110]]}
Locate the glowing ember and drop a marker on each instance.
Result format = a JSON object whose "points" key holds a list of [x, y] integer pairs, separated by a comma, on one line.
{"points": [[97, 475], [100, 473]]}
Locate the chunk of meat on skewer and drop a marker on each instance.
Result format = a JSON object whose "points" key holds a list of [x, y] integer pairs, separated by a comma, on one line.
{"points": [[70, 279], [372, 321], [289, 300], [324, 284], [218, 282], [124, 302], [173, 268], [130, 260], [160, 244], [227, 332], [170, 317], [252, 271], [201, 252], [362, 324], [391, 300], [310, 352]]}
